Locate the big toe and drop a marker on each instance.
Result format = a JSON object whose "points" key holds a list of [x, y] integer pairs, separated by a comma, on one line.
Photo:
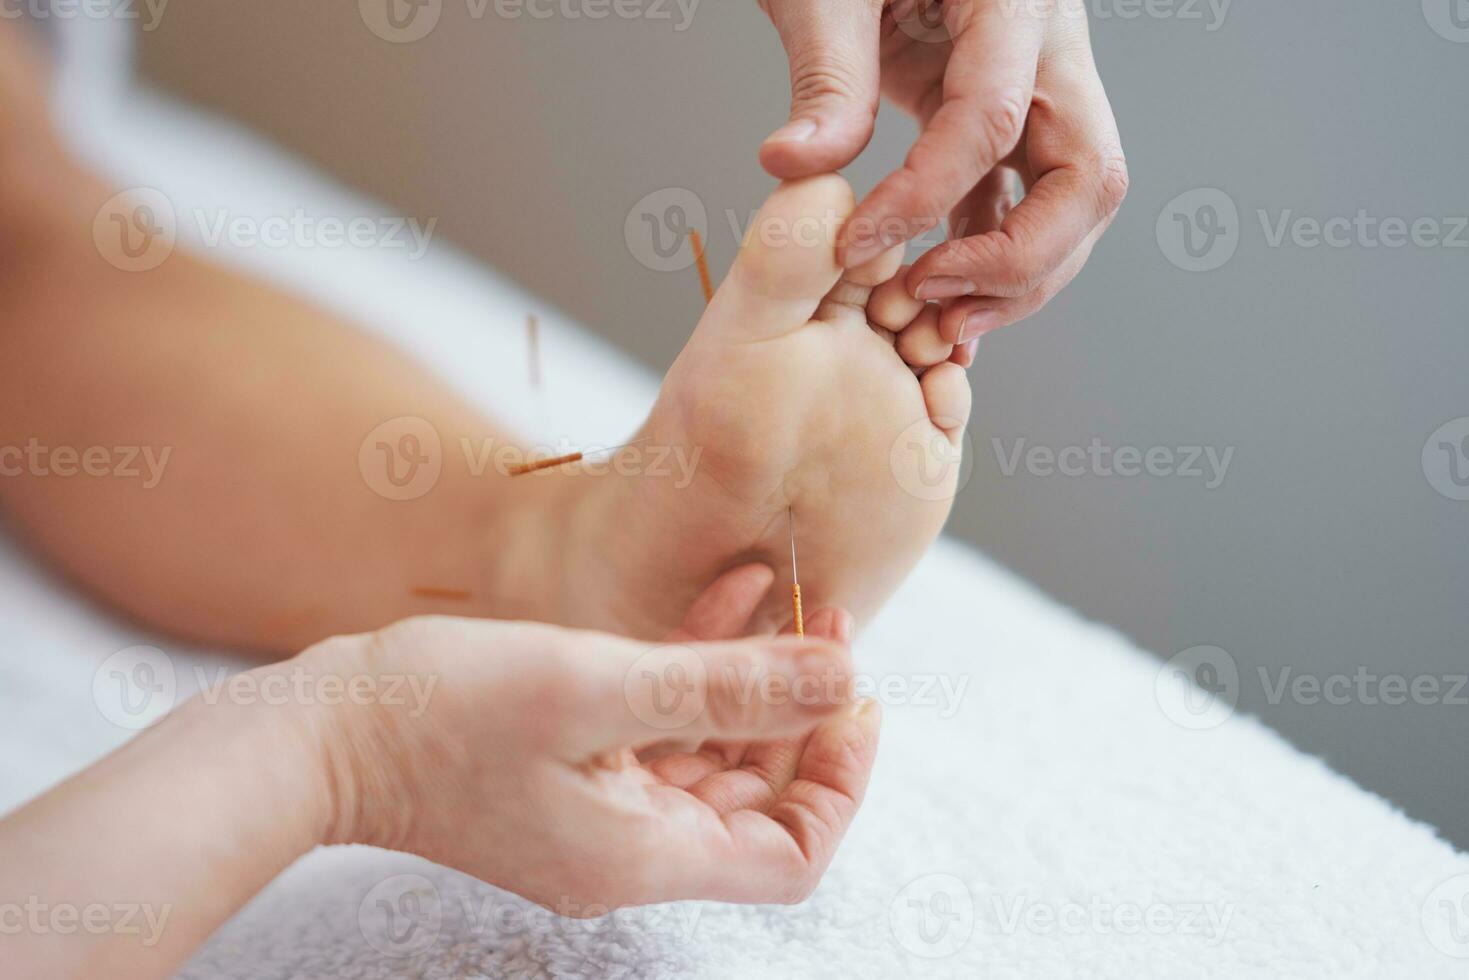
{"points": [[787, 262]]}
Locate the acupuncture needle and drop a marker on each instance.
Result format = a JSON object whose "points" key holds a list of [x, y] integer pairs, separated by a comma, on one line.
{"points": [[795, 578], [703, 262], [520, 469]]}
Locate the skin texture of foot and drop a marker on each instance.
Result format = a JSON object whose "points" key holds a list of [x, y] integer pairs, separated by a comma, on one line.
{"points": [[804, 389]]}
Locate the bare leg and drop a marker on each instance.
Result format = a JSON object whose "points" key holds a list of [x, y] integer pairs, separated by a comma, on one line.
{"points": [[260, 531]]}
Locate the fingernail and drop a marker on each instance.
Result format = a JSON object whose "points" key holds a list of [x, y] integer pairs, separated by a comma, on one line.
{"points": [[796, 131], [967, 351], [978, 322], [865, 252], [944, 287], [844, 626]]}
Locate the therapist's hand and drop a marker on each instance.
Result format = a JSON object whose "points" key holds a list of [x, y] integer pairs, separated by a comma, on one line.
{"points": [[523, 769], [1008, 96]]}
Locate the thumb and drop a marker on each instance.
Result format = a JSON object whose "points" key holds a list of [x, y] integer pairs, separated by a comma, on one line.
{"points": [[833, 50], [739, 689]]}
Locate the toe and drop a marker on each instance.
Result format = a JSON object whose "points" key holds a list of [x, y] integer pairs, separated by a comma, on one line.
{"points": [[848, 299], [920, 344], [891, 307], [946, 393], [787, 263]]}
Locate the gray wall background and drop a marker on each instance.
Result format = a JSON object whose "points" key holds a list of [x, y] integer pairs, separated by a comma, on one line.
{"points": [[1326, 550]]}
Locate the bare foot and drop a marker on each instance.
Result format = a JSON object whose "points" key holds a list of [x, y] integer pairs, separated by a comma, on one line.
{"points": [[803, 387]]}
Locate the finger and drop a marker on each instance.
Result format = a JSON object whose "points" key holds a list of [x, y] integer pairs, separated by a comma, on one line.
{"points": [[971, 317], [765, 768], [831, 622], [756, 688], [982, 210], [988, 88], [965, 353], [722, 610], [780, 855], [832, 47], [1078, 189]]}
